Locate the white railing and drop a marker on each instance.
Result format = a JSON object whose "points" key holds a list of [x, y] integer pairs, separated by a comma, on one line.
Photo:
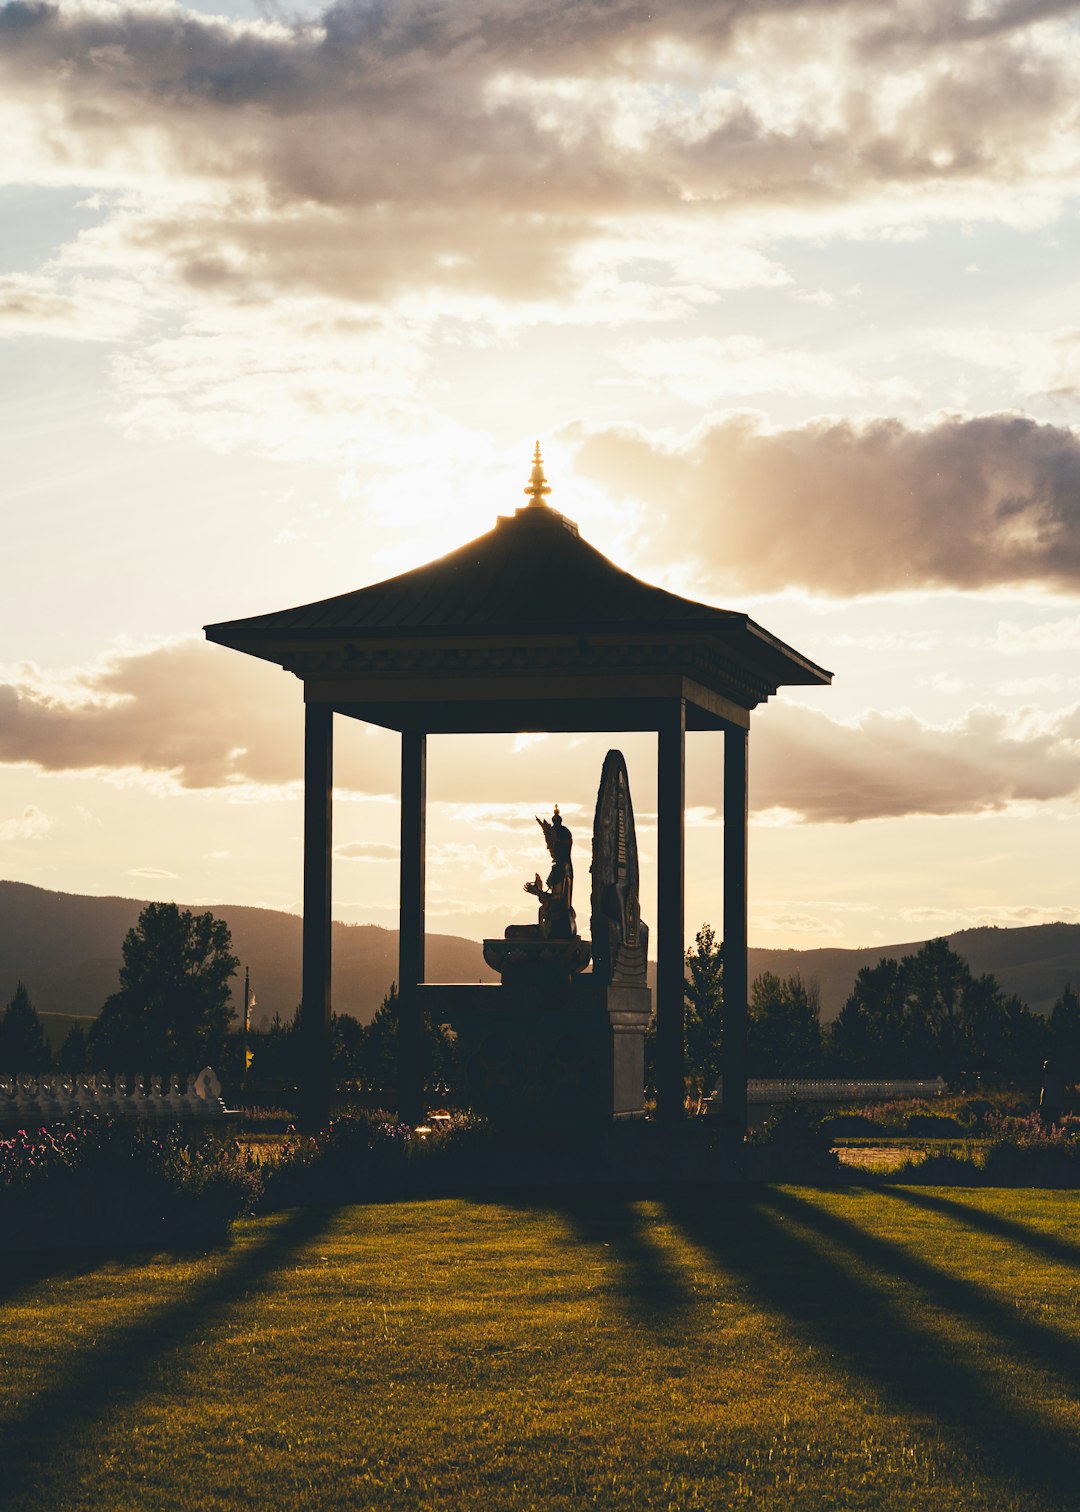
{"points": [[58, 1095], [777, 1091]]}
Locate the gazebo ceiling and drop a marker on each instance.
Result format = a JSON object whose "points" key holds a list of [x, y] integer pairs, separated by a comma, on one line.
{"points": [[526, 627]]}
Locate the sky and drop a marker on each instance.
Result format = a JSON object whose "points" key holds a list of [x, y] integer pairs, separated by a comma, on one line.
{"points": [[790, 294]]}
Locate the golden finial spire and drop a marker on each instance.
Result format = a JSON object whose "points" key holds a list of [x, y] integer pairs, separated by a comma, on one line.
{"points": [[537, 485]]}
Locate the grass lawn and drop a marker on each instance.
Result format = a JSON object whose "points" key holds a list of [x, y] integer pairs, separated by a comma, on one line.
{"points": [[892, 1154], [786, 1347]]}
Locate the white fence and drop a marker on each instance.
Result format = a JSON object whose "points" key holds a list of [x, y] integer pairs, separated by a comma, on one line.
{"points": [[763, 1091], [56, 1096]]}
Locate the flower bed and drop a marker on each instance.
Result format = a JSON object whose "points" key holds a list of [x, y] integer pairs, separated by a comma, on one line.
{"points": [[103, 1181], [108, 1182]]}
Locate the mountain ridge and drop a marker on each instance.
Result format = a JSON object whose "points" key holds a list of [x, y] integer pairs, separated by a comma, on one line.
{"points": [[66, 947], [1034, 961]]}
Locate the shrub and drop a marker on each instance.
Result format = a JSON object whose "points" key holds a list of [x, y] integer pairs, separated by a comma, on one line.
{"points": [[793, 1145], [934, 1125], [1020, 1153], [851, 1123], [357, 1156], [106, 1181], [940, 1168], [1026, 1154]]}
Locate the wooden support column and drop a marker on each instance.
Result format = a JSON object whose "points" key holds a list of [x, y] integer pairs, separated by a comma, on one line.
{"points": [[670, 949], [411, 924], [315, 1068], [736, 982]]}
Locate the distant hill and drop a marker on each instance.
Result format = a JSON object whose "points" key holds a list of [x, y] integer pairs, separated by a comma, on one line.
{"points": [[67, 949], [1034, 962]]}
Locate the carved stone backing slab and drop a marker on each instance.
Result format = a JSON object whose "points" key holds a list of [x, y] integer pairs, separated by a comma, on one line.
{"points": [[620, 941]]}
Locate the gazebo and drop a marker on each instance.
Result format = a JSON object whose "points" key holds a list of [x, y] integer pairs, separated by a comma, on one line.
{"points": [[526, 628]]}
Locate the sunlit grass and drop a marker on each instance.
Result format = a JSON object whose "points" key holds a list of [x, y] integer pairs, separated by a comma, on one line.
{"points": [[789, 1348], [893, 1155]]}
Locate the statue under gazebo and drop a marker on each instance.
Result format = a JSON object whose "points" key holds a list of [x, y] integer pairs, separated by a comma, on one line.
{"points": [[551, 948], [552, 1045]]}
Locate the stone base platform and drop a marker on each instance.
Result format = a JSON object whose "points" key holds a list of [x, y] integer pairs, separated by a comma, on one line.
{"points": [[545, 1054]]}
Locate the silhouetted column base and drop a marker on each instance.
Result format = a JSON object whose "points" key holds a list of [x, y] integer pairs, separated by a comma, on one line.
{"points": [[411, 1107], [670, 950], [736, 986], [316, 1050]]}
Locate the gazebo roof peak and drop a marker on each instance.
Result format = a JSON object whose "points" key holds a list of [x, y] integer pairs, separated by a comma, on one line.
{"points": [[527, 614], [538, 511], [538, 485]]}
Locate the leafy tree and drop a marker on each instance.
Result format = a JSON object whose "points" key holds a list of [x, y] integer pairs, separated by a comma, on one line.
{"points": [[376, 1062], [1026, 1043], [375, 1056], [938, 982], [703, 995], [926, 1015], [365, 1054], [1065, 1033], [784, 1027], [1000, 1037], [72, 1053], [23, 1046], [275, 1056], [348, 1037], [171, 1013], [868, 1036]]}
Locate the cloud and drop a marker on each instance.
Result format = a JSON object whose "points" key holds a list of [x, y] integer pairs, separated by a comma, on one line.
{"points": [[892, 765], [946, 21], [30, 825], [204, 719], [477, 149], [83, 309], [843, 508], [705, 369], [366, 850], [312, 212], [308, 381], [470, 864], [1003, 916], [1050, 636], [790, 923], [1040, 363], [156, 872]]}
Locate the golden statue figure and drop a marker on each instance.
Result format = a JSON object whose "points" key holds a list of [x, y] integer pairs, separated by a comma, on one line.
{"points": [[557, 919]]}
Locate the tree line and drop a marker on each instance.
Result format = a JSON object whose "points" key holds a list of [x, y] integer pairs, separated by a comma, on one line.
{"points": [[924, 1015], [171, 1014]]}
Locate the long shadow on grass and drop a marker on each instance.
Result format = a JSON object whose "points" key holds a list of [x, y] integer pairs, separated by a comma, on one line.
{"points": [[872, 1335], [123, 1364], [1045, 1348], [22, 1272], [645, 1280], [1048, 1246]]}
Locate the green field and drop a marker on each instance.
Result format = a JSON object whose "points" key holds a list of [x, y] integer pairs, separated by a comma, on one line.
{"points": [[782, 1347]]}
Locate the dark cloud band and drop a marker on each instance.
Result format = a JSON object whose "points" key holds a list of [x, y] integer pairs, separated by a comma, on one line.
{"points": [[214, 721], [847, 508], [477, 147]]}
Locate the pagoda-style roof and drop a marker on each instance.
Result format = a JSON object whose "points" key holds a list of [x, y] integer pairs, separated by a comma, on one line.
{"points": [[526, 623]]}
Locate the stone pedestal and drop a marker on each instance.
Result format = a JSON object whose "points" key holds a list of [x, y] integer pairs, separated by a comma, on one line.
{"points": [[629, 1010], [548, 1054]]}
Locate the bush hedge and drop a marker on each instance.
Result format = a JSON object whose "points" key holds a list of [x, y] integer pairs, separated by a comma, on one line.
{"points": [[103, 1181]]}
